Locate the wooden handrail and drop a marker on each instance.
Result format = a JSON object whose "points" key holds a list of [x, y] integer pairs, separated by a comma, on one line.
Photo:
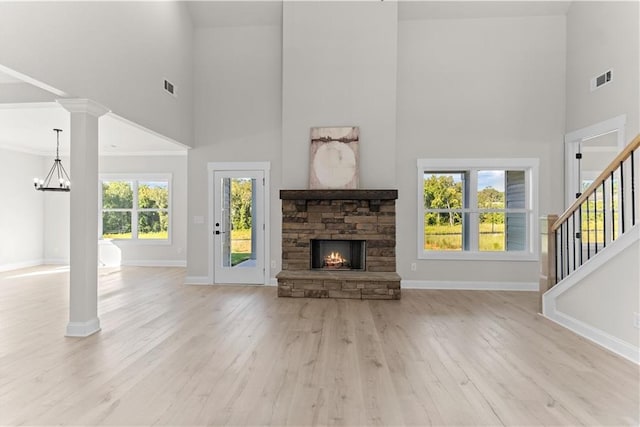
{"points": [[624, 154]]}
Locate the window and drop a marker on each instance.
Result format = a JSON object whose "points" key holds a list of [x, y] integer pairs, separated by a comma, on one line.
{"points": [[135, 207], [477, 209]]}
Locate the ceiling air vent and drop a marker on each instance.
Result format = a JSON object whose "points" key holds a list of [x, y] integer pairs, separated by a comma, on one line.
{"points": [[601, 80], [170, 88]]}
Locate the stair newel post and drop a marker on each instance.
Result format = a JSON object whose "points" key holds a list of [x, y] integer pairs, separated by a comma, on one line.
{"points": [[547, 255]]}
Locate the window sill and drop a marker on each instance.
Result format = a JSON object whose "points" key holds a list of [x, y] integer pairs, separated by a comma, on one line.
{"points": [[134, 242], [478, 256]]}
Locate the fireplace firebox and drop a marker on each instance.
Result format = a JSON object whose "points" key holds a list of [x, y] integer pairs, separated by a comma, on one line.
{"points": [[337, 254]]}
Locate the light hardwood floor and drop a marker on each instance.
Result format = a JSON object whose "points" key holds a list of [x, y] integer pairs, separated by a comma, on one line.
{"points": [[171, 354]]}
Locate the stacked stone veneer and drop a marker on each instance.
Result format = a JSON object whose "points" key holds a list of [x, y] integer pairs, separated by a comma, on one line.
{"points": [[345, 215]]}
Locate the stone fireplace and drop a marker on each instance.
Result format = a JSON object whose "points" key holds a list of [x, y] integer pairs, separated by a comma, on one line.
{"points": [[339, 244]]}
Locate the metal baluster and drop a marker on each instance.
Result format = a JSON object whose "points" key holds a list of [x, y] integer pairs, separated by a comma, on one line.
{"points": [[567, 243], [613, 210], [588, 230], [604, 216], [633, 193], [595, 218], [622, 194], [581, 231], [573, 230], [557, 252], [561, 254]]}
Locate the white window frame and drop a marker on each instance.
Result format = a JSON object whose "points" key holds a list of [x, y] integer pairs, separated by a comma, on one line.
{"points": [[135, 179], [528, 165]]}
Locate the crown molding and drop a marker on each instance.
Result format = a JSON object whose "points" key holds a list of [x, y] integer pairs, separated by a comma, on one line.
{"points": [[26, 79], [19, 149], [128, 122], [29, 105], [83, 106]]}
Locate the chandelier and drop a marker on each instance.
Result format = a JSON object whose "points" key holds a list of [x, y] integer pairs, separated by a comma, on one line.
{"points": [[57, 173]]}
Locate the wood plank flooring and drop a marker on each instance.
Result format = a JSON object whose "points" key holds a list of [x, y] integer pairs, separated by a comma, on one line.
{"points": [[170, 354]]}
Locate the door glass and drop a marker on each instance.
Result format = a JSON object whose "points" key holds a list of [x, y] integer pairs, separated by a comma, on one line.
{"points": [[597, 154], [238, 222]]}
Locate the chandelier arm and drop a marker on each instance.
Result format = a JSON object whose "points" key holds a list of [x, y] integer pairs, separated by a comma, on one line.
{"points": [[47, 179], [64, 171]]}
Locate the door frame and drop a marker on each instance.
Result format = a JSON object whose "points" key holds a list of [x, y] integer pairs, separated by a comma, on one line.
{"points": [[572, 142], [265, 167]]}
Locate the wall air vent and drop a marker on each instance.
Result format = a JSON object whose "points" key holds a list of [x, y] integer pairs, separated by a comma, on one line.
{"points": [[170, 88], [601, 80]]}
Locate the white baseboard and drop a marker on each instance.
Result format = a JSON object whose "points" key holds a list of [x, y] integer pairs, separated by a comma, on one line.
{"points": [[469, 286], [23, 264], [83, 329], [197, 280], [595, 335], [154, 263], [134, 263], [204, 280], [598, 336]]}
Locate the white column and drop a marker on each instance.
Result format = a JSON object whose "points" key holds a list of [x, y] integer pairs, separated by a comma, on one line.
{"points": [[83, 301]]}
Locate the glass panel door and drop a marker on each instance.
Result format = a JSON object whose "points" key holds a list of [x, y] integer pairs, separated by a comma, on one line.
{"points": [[238, 227]]}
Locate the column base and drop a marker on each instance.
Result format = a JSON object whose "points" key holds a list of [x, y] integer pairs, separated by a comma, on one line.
{"points": [[83, 329]]}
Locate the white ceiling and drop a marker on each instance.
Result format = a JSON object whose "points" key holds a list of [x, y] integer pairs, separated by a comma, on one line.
{"points": [[215, 13], [6, 78], [235, 13], [415, 10], [29, 128]]}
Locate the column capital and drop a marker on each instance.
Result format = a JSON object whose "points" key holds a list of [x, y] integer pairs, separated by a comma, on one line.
{"points": [[83, 106]]}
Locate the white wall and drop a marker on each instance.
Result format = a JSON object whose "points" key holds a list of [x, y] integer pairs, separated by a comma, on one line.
{"points": [[238, 111], [478, 88], [56, 218], [339, 69], [21, 210], [56, 223], [115, 53], [256, 103], [601, 299], [153, 254], [473, 88], [610, 296], [603, 35]]}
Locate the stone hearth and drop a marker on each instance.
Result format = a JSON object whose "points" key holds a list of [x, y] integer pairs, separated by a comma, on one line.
{"points": [[367, 215]]}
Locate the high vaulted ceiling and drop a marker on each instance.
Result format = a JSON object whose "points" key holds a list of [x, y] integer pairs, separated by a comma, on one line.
{"points": [[235, 13], [415, 10], [269, 12], [29, 114], [29, 128]]}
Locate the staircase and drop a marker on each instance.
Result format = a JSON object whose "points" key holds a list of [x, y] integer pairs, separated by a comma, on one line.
{"points": [[590, 260]]}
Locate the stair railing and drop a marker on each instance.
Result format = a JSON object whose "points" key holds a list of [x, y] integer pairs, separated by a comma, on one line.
{"points": [[601, 214]]}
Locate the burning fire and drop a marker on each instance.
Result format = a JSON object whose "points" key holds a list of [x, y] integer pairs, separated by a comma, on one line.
{"points": [[334, 259]]}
